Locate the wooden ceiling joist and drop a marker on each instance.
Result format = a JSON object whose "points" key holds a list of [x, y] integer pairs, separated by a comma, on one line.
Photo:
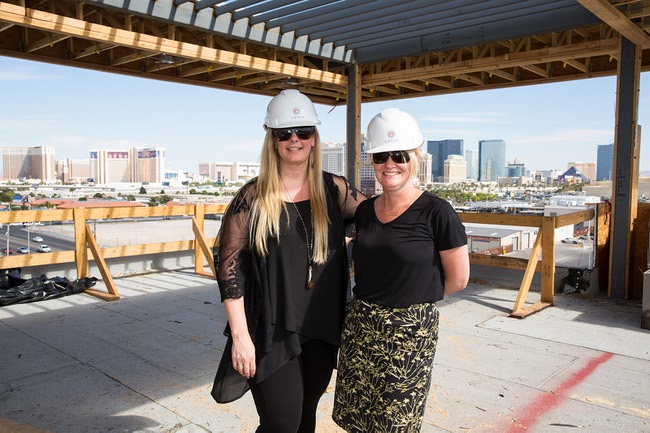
{"points": [[46, 21], [162, 45], [618, 21]]}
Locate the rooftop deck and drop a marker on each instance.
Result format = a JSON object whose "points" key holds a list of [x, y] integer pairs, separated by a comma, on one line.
{"points": [[145, 363]]}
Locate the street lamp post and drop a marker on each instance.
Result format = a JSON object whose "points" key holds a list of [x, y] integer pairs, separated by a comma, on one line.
{"points": [[7, 235], [28, 250]]}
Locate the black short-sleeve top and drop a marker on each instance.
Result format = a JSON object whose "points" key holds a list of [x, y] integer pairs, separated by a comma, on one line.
{"points": [[397, 264]]}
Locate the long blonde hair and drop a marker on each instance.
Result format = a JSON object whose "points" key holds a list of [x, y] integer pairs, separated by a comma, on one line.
{"points": [[269, 203]]}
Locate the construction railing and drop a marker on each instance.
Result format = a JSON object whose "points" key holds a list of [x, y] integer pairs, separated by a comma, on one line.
{"points": [[86, 244], [543, 246]]}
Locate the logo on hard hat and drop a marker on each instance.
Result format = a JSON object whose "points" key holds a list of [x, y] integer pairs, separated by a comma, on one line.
{"points": [[390, 134], [296, 111]]}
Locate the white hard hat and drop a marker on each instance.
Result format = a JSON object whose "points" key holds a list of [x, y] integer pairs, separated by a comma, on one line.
{"points": [[290, 108], [392, 129]]}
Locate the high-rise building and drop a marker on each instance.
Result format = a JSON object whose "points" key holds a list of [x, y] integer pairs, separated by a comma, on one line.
{"points": [[204, 169], [605, 162], [471, 157], [424, 171], [440, 151], [333, 157], [516, 169], [28, 162], [233, 171], [73, 170], [491, 160], [110, 166], [588, 169], [455, 169], [368, 181], [148, 164]]}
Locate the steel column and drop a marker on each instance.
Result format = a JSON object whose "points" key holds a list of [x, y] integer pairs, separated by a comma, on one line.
{"points": [[353, 125], [624, 166]]}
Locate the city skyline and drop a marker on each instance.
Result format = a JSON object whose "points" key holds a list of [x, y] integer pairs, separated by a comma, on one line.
{"points": [[74, 110]]}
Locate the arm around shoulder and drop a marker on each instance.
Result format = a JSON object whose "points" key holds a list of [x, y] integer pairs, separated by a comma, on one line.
{"points": [[349, 197]]}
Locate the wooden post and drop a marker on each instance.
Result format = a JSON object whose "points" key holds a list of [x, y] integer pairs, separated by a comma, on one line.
{"points": [[548, 259], [80, 250], [601, 242], [198, 224]]}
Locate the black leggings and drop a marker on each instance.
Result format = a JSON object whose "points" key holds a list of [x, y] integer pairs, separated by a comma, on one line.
{"points": [[286, 401]]}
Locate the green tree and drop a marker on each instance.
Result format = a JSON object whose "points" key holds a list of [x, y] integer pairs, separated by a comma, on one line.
{"points": [[142, 190], [7, 195]]}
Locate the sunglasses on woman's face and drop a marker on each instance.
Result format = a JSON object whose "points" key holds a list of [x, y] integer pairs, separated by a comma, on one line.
{"points": [[302, 132], [398, 157]]}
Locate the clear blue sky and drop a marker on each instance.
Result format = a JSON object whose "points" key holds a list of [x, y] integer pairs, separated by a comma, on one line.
{"points": [[75, 110]]}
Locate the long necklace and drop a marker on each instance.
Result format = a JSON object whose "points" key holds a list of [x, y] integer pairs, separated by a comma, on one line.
{"points": [[310, 244]]}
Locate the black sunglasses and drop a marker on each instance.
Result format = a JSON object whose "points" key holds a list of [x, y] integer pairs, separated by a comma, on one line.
{"points": [[398, 157], [302, 132]]}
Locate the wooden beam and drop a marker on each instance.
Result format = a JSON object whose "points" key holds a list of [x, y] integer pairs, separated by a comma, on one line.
{"points": [[614, 18], [528, 275], [509, 60], [50, 22], [112, 294], [536, 70], [574, 218]]}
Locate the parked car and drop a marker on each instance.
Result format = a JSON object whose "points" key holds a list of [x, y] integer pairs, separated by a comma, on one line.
{"points": [[7, 251], [43, 249], [570, 241], [37, 239], [22, 250]]}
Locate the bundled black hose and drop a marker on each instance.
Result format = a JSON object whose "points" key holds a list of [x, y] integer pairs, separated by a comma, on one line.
{"points": [[16, 290]]}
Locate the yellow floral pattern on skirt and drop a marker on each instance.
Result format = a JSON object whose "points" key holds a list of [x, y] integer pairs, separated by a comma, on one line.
{"points": [[384, 371]]}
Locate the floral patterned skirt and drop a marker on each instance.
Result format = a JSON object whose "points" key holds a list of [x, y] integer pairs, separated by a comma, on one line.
{"points": [[384, 371]]}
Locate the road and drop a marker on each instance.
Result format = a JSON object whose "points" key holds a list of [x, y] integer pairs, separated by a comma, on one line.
{"points": [[125, 232], [21, 236]]}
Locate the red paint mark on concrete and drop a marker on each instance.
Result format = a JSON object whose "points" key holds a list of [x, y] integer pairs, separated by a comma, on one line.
{"points": [[545, 403]]}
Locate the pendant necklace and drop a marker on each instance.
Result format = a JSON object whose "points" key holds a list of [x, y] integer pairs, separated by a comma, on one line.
{"points": [[310, 246]]}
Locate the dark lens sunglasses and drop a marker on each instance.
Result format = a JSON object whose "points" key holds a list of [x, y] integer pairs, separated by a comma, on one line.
{"points": [[398, 157], [302, 132]]}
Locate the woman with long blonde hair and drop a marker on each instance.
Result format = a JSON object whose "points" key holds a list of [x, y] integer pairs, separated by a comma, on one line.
{"points": [[282, 273]]}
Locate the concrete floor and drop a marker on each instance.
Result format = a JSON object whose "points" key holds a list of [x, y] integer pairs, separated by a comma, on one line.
{"points": [[145, 363]]}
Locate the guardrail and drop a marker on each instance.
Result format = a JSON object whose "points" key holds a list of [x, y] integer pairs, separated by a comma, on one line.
{"points": [[86, 244], [544, 245]]}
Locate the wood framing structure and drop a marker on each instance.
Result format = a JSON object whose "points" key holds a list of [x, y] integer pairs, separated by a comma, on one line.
{"points": [[262, 47], [86, 243], [349, 52]]}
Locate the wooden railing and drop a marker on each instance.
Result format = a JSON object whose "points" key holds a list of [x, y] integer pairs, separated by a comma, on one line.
{"points": [[544, 245], [86, 244]]}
